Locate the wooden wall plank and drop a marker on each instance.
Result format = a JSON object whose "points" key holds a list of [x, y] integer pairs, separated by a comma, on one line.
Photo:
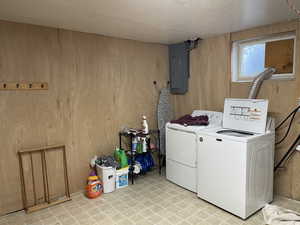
{"points": [[97, 85], [280, 55]]}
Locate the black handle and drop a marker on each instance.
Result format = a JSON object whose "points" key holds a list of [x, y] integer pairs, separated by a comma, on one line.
{"points": [[218, 139]]}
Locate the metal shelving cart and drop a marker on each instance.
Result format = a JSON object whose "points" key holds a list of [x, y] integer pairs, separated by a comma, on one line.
{"points": [[132, 153]]}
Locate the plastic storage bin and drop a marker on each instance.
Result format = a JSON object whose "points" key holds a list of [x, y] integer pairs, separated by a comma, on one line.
{"points": [[122, 177], [108, 177]]}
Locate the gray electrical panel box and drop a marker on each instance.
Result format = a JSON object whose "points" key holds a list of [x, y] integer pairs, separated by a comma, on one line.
{"points": [[179, 68]]}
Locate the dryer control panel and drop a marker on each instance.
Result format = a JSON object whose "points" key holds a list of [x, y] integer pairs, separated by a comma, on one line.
{"points": [[245, 114]]}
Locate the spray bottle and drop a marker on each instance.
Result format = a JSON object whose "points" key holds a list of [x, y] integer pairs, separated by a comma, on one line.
{"points": [[145, 125]]}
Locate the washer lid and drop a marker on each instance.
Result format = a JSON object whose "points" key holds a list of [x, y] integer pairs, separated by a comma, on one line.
{"points": [[235, 133], [245, 115]]}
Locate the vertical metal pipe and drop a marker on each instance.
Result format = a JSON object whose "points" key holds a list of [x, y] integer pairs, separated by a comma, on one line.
{"points": [[132, 160], [120, 140], [24, 198], [33, 179]]}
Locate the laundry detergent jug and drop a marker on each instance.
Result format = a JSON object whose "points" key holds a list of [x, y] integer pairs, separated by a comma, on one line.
{"points": [[94, 187]]}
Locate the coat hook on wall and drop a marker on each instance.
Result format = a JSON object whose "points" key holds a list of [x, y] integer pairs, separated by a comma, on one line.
{"points": [[168, 86], [156, 85], [13, 86]]}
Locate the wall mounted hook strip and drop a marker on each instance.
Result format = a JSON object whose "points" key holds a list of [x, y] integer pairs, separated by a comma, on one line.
{"points": [[13, 86]]}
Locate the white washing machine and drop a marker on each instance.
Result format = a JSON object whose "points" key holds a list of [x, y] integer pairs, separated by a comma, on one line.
{"points": [[181, 150], [236, 161]]}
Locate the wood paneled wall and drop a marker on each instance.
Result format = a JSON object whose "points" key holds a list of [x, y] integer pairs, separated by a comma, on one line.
{"points": [[210, 83], [282, 95], [97, 85]]}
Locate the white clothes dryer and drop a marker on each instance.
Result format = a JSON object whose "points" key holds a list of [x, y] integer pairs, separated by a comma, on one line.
{"points": [[182, 147]]}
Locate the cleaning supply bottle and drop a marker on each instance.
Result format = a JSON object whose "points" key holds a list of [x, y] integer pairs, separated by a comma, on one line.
{"points": [[145, 125], [134, 144], [94, 186], [121, 157], [144, 145], [139, 146]]}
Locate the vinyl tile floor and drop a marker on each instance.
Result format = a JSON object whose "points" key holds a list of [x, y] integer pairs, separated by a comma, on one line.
{"points": [[152, 200]]}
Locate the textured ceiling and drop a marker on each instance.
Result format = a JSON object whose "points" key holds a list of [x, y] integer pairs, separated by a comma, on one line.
{"points": [[163, 21]]}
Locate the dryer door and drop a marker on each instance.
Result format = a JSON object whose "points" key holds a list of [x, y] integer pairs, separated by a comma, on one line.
{"points": [[181, 146]]}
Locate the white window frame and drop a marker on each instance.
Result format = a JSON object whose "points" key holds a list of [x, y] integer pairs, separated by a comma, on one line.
{"points": [[236, 57]]}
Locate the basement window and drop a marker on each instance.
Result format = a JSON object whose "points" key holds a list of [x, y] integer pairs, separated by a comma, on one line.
{"points": [[251, 57]]}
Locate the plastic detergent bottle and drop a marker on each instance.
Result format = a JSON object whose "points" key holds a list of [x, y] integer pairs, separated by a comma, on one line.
{"points": [[94, 187], [144, 145], [121, 157], [145, 125], [134, 144], [139, 146]]}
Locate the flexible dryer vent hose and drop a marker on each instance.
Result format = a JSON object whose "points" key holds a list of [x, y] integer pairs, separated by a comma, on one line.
{"points": [[257, 82]]}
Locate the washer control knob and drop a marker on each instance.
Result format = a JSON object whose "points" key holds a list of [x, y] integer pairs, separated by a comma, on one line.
{"points": [[201, 139]]}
